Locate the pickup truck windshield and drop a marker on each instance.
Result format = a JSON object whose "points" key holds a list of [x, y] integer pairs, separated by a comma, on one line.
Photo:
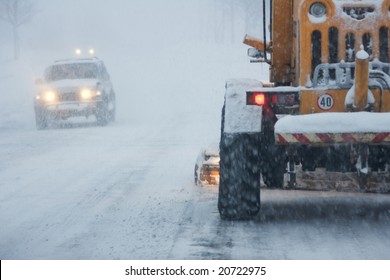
{"points": [[71, 71]]}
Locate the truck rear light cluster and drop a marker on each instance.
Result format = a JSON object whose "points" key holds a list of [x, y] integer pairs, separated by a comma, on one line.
{"points": [[261, 98], [285, 102]]}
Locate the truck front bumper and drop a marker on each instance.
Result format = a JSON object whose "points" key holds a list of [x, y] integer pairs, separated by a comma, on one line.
{"points": [[70, 109]]}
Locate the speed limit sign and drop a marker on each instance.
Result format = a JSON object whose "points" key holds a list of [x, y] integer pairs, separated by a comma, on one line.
{"points": [[325, 102]]}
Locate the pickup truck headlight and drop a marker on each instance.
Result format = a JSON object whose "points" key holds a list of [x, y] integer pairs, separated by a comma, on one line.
{"points": [[48, 96], [89, 94]]}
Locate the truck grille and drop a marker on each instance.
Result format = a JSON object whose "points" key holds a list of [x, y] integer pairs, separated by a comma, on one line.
{"points": [[68, 96]]}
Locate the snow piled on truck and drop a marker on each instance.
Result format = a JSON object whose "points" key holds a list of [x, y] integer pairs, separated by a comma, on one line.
{"points": [[358, 122], [240, 118]]}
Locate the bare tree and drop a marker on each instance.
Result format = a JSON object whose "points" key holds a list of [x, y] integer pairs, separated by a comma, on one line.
{"points": [[16, 13]]}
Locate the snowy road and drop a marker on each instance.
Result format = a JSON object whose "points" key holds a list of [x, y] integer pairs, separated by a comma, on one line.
{"points": [[126, 192], [91, 192], [292, 225]]}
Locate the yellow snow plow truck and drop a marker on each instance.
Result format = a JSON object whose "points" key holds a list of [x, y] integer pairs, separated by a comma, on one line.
{"points": [[323, 119]]}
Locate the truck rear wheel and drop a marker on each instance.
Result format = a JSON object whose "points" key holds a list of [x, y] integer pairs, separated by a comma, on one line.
{"points": [[273, 157], [239, 187], [273, 165]]}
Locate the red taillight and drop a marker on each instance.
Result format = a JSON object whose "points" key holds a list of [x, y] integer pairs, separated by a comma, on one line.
{"points": [[256, 98], [259, 99]]}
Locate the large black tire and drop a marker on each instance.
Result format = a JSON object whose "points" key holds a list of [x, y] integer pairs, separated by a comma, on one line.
{"points": [[40, 119], [196, 179], [102, 114], [273, 162], [112, 113], [239, 186]]}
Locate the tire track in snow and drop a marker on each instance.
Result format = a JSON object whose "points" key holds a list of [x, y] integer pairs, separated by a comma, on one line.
{"points": [[291, 225]]}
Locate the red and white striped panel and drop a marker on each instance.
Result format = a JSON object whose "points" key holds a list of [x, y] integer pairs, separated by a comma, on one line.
{"points": [[332, 138]]}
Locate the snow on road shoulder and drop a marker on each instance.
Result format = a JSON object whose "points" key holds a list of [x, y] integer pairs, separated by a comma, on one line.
{"points": [[16, 95]]}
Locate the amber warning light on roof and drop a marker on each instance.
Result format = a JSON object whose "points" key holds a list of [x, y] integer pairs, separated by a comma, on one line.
{"points": [[79, 52]]}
